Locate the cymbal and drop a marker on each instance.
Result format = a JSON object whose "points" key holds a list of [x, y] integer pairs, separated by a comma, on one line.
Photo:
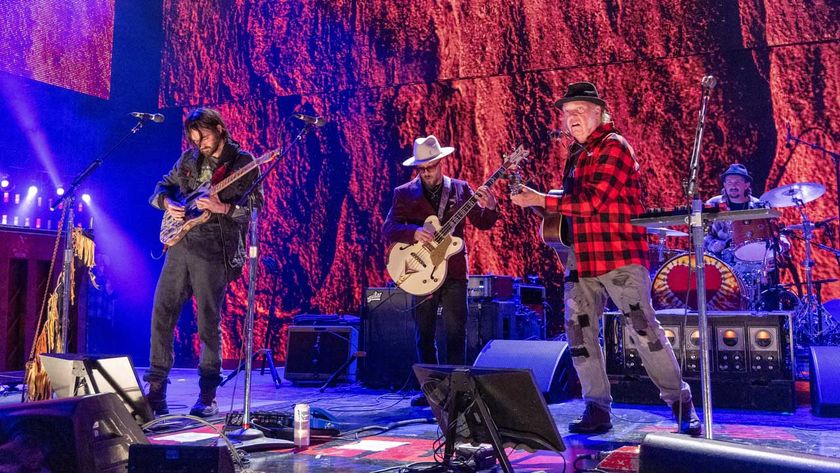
{"points": [[666, 232], [793, 194]]}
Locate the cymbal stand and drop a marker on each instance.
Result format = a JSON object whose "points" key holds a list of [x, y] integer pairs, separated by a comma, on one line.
{"points": [[811, 306]]}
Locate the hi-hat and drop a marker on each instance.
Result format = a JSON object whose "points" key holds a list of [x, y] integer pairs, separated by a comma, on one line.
{"points": [[666, 232], [793, 194]]}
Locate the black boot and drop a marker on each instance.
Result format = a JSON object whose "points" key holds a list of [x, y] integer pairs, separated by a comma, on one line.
{"points": [[686, 417], [157, 397], [206, 405], [595, 420]]}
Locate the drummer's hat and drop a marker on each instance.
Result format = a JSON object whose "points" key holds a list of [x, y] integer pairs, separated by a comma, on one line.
{"points": [[736, 170]]}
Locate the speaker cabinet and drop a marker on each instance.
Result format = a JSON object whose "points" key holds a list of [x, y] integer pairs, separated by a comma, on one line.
{"points": [[179, 458], [750, 358], [673, 453], [79, 434], [76, 374], [825, 381], [314, 353], [550, 361], [388, 338]]}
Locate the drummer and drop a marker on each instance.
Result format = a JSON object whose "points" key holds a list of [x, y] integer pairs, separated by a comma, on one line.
{"points": [[736, 195]]}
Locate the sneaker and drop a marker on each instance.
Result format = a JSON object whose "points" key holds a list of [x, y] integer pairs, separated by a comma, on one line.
{"points": [[420, 401], [686, 417], [595, 420], [206, 405], [204, 408]]}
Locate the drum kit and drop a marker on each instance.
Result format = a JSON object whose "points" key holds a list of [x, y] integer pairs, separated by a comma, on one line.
{"points": [[745, 275]]}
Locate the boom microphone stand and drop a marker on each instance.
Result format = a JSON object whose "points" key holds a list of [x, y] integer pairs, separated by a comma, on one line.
{"points": [[697, 233], [69, 199], [835, 156], [248, 438]]}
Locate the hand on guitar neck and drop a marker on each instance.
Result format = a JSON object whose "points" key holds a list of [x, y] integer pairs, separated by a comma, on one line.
{"points": [[524, 196]]}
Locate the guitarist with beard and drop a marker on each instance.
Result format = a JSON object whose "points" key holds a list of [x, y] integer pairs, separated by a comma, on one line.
{"points": [[205, 260], [432, 193]]}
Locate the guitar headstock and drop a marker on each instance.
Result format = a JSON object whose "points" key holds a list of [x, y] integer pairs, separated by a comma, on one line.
{"points": [[517, 156]]}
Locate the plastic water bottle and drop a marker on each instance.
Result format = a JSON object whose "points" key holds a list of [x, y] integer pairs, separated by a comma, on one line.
{"points": [[301, 425]]}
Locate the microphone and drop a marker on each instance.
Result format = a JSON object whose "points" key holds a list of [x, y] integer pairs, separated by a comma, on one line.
{"points": [[317, 121], [155, 117], [788, 137], [708, 82]]}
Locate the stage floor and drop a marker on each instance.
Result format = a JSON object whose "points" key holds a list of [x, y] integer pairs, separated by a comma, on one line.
{"points": [[355, 407]]}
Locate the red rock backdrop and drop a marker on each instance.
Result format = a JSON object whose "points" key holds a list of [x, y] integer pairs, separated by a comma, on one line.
{"points": [[481, 76]]}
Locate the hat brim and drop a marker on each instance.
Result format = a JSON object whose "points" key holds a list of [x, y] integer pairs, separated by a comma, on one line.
{"points": [[746, 177], [413, 161], [596, 101]]}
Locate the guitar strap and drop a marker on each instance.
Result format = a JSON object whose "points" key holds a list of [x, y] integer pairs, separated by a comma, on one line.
{"points": [[444, 197]]}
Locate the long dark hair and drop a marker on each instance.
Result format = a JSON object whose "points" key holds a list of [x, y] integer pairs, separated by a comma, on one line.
{"points": [[206, 118]]}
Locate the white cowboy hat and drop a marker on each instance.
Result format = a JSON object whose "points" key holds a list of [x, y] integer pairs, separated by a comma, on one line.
{"points": [[427, 150]]}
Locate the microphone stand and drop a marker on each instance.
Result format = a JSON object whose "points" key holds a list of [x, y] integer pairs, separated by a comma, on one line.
{"points": [[697, 234], [69, 200], [247, 437]]}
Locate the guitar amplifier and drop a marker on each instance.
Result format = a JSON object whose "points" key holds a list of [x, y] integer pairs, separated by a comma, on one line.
{"points": [[388, 337], [750, 355], [488, 286], [314, 353]]}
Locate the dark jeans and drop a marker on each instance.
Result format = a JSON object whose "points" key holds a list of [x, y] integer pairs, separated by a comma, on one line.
{"points": [[185, 274], [452, 299]]}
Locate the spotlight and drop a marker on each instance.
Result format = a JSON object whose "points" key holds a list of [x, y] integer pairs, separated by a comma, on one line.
{"points": [[32, 191], [4, 183], [86, 198], [59, 191]]}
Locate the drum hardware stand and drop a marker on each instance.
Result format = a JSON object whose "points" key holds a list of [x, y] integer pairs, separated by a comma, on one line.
{"points": [[69, 200], [697, 233], [249, 438], [811, 306]]}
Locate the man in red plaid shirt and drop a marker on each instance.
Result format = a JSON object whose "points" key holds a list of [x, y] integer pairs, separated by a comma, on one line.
{"points": [[601, 193]]}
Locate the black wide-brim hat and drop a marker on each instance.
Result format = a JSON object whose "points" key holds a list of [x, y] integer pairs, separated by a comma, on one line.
{"points": [[736, 169], [584, 91]]}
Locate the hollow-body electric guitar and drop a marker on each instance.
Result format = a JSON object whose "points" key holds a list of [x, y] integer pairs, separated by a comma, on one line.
{"points": [[420, 268], [173, 229]]}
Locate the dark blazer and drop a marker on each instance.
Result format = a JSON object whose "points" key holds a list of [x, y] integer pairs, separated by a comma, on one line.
{"points": [[410, 209]]}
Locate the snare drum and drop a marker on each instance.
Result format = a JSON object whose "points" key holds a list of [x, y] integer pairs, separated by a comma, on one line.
{"points": [[674, 282], [751, 239]]}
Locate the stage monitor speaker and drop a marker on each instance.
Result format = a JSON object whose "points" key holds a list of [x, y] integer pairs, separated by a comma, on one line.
{"points": [[179, 458], [388, 338], [825, 381], [674, 453], [80, 434], [314, 353], [550, 361], [76, 374]]}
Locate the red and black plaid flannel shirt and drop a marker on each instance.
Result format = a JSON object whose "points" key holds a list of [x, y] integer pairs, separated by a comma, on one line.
{"points": [[605, 194]]}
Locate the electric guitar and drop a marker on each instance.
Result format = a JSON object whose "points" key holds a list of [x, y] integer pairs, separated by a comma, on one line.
{"points": [[173, 229], [420, 268]]}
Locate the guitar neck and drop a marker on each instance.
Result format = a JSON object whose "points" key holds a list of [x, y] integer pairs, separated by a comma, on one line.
{"points": [[462, 212], [239, 173]]}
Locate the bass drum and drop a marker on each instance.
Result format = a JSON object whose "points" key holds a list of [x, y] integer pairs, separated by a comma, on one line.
{"points": [[674, 285]]}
